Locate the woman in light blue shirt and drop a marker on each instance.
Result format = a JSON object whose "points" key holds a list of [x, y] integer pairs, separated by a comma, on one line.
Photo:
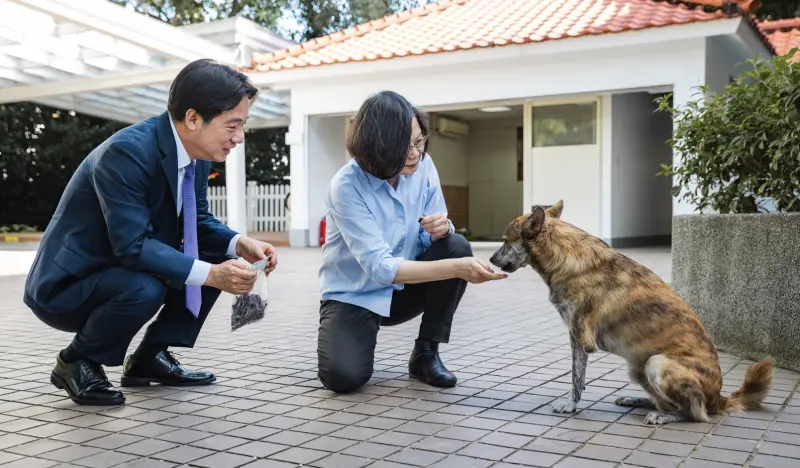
{"points": [[391, 254]]}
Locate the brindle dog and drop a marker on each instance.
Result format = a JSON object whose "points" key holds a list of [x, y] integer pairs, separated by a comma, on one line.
{"points": [[612, 303]]}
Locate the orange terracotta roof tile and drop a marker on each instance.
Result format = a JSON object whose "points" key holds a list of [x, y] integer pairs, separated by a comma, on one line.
{"points": [[782, 35], [450, 25]]}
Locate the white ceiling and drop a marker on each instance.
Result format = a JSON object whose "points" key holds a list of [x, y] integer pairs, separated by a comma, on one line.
{"points": [[101, 59], [475, 114]]}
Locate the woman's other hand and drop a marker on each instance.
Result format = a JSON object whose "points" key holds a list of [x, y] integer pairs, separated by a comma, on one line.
{"points": [[436, 225]]}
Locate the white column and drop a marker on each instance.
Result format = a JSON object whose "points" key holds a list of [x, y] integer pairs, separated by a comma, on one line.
{"points": [[681, 95], [527, 157], [324, 146], [236, 182], [694, 73], [605, 130], [296, 138]]}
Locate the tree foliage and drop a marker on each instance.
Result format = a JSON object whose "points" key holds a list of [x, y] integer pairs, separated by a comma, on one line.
{"points": [[738, 149], [777, 9], [299, 20], [40, 149]]}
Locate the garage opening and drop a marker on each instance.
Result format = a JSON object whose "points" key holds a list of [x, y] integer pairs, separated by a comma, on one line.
{"points": [[479, 155]]}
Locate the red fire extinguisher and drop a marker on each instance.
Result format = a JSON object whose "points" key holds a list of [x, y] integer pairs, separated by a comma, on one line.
{"points": [[322, 226]]}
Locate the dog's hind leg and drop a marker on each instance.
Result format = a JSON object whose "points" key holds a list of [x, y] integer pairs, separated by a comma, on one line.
{"points": [[634, 402], [579, 360], [677, 392], [637, 376]]}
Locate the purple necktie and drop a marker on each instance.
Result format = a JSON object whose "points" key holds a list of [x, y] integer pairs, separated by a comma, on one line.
{"points": [[193, 298]]}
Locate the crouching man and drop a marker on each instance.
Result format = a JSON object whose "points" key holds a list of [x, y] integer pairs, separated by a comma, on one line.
{"points": [[133, 234]]}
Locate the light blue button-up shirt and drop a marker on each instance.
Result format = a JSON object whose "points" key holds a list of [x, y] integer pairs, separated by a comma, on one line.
{"points": [[371, 229]]}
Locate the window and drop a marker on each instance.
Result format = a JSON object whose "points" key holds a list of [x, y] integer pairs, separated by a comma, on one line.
{"points": [[565, 125]]}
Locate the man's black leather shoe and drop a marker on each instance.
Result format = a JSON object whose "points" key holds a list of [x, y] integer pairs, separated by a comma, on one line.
{"points": [[85, 382], [164, 369], [426, 365]]}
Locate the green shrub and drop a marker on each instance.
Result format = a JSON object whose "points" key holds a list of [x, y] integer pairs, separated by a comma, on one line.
{"points": [[740, 148]]}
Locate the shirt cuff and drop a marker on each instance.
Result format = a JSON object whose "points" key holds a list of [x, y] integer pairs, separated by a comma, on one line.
{"points": [[388, 271], [232, 246], [199, 273], [425, 239]]}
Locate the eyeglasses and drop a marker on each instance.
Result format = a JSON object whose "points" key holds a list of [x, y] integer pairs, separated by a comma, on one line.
{"points": [[419, 146]]}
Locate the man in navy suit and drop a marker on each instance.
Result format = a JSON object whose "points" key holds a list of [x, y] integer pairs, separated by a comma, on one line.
{"points": [[133, 232]]}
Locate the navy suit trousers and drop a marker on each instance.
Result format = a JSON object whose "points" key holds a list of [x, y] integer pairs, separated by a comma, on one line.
{"points": [[122, 302]]}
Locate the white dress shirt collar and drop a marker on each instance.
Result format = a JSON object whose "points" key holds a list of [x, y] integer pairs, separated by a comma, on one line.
{"points": [[183, 156]]}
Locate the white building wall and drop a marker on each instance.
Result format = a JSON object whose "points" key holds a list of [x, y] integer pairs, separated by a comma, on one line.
{"points": [[681, 64], [585, 72]]}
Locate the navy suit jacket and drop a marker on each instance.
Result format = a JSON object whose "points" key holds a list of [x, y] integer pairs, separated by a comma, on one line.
{"points": [[119, 209]]}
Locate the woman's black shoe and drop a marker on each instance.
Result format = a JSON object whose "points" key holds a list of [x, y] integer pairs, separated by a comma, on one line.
{"points": [[85, 382], [426, 365]]}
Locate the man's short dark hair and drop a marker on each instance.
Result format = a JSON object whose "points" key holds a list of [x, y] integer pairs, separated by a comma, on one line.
{"points": [[380, 135], [208, 87]]}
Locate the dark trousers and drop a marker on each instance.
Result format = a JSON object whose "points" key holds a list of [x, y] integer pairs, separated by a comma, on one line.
{"points": [[122, 302], [348, 333]]}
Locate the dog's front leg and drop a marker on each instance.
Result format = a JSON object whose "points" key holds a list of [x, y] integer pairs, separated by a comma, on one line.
{"points": [[584, 333], [579, 359]]}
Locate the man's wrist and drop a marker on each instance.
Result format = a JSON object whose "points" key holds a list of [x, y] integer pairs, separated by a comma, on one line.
{"points": [[210, 278], [199, 273], [238, 246], [233, 247]]}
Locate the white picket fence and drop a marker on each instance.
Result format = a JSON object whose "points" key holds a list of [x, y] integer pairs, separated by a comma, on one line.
{"points": [[266, 211]]}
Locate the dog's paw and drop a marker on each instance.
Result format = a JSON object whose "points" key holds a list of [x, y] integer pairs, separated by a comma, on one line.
{"points": [[657, 419], [564, 406]]}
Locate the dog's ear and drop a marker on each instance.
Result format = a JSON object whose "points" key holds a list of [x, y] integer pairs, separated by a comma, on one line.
{"points": [[533, 224], [555, 210]]}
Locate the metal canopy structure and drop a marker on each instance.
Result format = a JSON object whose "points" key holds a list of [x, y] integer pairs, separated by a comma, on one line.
{"points": [[101, 59]]}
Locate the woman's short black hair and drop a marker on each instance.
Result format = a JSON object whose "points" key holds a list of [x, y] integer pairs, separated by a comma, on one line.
{"points": [[380, 135], [208, 87]]}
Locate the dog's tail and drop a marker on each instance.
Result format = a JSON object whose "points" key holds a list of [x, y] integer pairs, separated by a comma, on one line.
{"points": [[757, 382]]}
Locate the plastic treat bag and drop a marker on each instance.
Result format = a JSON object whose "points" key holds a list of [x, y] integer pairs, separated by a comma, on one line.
{"points": [[251, 307]]}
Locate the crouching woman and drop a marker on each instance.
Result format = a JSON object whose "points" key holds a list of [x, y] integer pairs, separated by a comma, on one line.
{"points": [[391, 254]]}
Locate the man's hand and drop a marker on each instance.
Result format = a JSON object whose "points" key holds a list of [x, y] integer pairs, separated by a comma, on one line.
{"points": [[436, 225], [254, 250], [232, 277], [475, 271]]}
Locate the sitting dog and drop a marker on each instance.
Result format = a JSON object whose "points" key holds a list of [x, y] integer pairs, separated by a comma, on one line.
{"points": [[610, 302]]}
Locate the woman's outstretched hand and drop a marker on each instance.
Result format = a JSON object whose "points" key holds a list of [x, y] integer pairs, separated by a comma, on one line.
{"points": [[475, 271]]}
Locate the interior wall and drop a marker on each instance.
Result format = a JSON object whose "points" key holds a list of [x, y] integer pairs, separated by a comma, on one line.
{"points": [[326, 145], [641, 202], [450, 157], [495, 194]]}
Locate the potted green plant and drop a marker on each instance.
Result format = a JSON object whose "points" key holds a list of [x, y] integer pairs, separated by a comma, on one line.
{"points": [[737, 260]]}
